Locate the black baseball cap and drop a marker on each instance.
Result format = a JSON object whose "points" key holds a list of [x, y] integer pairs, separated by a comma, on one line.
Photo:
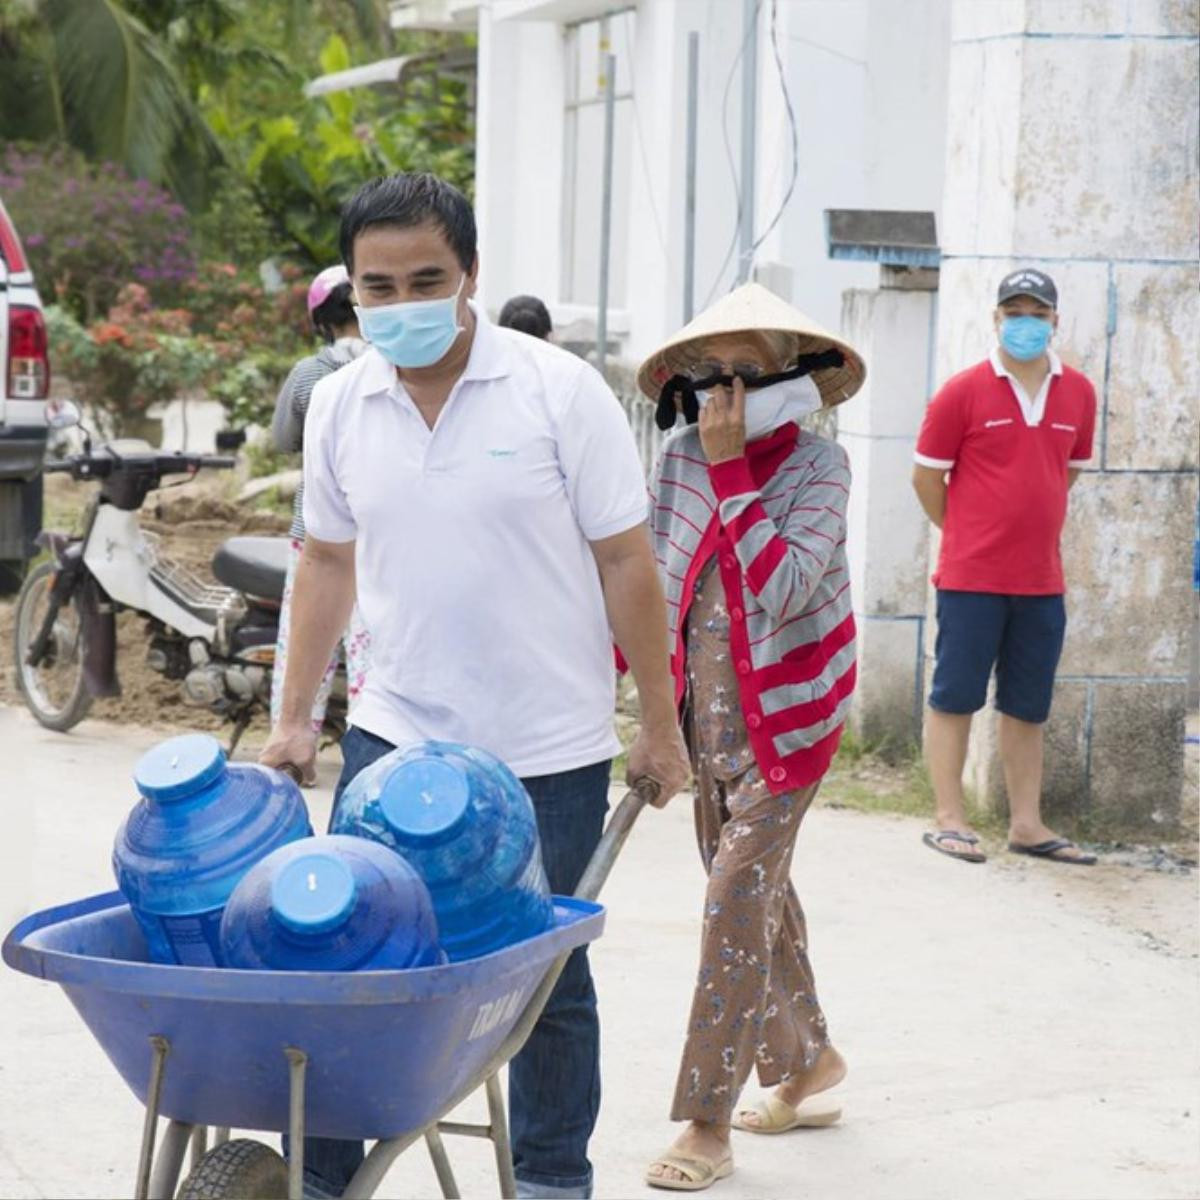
{"points": [[1028, 282]]}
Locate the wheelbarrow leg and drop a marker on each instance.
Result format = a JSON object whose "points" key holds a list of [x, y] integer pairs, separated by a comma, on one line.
{"points": [[441, 1164], [297, 1064], [169, 1160], [160, 1047], [501, 1143], [199, 1144]]}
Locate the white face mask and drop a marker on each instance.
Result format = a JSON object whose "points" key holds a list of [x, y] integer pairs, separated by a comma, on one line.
{"points": [[768, 408]]}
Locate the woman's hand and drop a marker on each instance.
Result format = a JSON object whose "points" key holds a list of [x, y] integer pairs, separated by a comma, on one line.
{"points": [[723, 423]]}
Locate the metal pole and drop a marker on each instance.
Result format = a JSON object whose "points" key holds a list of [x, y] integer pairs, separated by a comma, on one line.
{"points": [[168, 1163], [500, 1139], [689, 203], [749, 117], [161, 1048], [297, 1064], [610, 93], [441, 1164]]}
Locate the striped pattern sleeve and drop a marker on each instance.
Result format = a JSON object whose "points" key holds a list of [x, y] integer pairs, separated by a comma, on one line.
{"points": [[287, 426], [783, 566]]}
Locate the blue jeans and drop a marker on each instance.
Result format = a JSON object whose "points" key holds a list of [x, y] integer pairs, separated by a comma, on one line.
{"points": [[554, 1082]]}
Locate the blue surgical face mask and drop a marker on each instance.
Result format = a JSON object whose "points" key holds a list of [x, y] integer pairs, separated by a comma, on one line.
{"points": [[416, 333], [1025, 338]]}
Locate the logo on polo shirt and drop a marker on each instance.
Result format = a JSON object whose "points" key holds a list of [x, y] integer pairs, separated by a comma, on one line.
{"points": [[998, 421], [500, 453], [1065, 428]]}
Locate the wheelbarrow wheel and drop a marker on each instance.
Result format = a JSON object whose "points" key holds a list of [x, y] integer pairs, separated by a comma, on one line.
{"points": [[238, 1170]]}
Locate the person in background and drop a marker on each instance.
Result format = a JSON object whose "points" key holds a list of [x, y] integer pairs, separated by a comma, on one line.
{"points": [[749, 529], [999, 449], [527, 314], [331, 311]]}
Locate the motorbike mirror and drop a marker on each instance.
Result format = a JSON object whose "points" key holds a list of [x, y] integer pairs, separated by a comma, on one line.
{"points": [[63, 414]]}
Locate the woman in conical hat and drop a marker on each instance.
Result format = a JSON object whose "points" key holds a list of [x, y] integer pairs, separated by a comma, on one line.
{"points": [[749, 528]]}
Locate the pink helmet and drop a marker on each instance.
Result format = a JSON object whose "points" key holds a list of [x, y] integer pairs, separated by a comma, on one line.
{"points": [[324, 283]]}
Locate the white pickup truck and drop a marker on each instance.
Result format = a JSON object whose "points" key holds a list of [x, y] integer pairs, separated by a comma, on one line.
{"points": [[24, 386]]}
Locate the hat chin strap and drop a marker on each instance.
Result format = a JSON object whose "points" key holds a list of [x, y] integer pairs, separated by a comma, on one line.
{"points": [[685, 388]]}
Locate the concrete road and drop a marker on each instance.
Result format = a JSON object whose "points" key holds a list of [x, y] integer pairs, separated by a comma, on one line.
{"points": [[1013, 1031]]}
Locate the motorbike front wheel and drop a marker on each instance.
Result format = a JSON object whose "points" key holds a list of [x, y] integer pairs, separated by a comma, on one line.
{"points": [[54, 690]]}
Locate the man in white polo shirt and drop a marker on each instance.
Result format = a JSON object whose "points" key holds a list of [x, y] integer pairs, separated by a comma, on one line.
{"points": [[484, 491]]}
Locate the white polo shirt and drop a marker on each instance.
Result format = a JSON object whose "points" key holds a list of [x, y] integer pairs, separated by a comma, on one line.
{"points": [[474, 573]]}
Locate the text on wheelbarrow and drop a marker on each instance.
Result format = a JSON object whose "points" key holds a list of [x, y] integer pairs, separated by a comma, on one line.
{"points": [[496, 1012]]}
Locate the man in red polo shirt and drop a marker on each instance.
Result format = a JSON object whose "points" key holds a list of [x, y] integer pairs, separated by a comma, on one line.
{"points": [[1000, 446]]}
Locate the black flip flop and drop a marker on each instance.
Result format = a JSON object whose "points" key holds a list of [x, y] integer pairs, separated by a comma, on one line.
{"points": [[934, 840], [1052, 852]]}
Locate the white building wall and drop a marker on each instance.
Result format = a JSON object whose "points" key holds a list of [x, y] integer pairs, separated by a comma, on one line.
{"points": [[867, 80]]}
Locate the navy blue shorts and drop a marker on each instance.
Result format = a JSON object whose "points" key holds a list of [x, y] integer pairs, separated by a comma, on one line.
{"points": [[1021, 636]]}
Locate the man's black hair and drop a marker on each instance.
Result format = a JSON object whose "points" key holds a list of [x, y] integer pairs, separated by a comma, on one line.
{"points": [[407, 199], [528, 315], [335, 312]]}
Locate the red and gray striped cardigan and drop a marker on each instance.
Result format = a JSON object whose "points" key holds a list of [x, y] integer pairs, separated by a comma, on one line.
{"points": [[775, 520]]}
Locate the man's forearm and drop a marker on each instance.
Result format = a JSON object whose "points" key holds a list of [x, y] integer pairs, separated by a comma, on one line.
{"points": [[933, 499], [637, 614], [322, 599]]}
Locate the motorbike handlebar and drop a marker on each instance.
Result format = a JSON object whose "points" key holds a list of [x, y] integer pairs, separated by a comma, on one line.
{"points": [[98, 466]]}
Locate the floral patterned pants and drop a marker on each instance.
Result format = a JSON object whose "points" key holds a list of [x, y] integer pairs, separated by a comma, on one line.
{"points": [[755, 1003], [356, 640]]}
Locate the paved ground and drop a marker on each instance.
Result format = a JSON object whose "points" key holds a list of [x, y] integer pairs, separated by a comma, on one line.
{"points": [[1016, 1031]]}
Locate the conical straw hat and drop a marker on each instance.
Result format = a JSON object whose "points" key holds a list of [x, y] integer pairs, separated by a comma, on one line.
{"points": [[753, 307]]}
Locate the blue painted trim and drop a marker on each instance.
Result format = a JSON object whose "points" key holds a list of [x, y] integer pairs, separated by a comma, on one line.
{"points": [[889, 256], [1110, 328], [1108, 259], [1089, 721], [1027, 35], [931, 349]]}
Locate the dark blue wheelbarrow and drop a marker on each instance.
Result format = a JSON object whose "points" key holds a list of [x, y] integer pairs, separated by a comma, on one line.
{"points": [[381, 1055]]}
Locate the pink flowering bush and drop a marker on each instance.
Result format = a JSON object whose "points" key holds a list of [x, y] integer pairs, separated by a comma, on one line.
{"points": [[90, 229]]}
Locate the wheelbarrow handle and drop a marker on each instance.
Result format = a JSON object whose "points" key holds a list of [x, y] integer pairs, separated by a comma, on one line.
{"points": [[643, 792]]}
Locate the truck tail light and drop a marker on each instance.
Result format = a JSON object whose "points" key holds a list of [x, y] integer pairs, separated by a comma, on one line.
{"points": [[28, 357]]}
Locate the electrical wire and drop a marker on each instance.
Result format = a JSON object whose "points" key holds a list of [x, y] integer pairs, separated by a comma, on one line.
{"points": [[787, 100]]}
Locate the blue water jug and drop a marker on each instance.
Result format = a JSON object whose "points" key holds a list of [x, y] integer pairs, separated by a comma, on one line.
{"points": [[330, 904], [467, 825], [200, 825]]}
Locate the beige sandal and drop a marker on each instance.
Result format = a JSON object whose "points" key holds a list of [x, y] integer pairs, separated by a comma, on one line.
{"points": [[777, 1116], [698, 1173]]}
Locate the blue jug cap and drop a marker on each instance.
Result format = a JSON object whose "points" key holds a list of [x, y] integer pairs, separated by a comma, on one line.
{"points": [[313, 893], [179, 766], [425, 799]]}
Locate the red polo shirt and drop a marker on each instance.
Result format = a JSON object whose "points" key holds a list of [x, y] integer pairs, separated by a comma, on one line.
{"points": [[1008, 459]]}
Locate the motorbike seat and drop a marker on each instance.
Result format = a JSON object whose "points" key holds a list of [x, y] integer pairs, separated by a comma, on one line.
{"points": [[254, 565]]}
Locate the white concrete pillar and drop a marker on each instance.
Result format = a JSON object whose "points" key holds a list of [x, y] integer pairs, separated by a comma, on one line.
{"points": [[1072, 146], [887, 535]]}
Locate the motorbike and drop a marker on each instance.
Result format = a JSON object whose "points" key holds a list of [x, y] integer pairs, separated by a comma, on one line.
{"points": [[217, 639]]}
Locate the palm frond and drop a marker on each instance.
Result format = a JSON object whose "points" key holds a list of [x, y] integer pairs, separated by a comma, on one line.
{"points": [[122, 97]]}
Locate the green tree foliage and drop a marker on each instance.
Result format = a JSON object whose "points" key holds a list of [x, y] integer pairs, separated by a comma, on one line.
{"points": [[206, 98]]}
